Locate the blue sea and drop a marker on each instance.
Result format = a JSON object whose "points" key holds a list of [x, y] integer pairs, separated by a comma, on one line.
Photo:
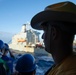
{"points": [[6, 37], [43, 64]]}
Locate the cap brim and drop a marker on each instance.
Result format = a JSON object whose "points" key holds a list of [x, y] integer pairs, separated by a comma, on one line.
{"points": [[46, 16]]}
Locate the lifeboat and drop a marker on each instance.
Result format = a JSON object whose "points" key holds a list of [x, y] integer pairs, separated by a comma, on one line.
{"points": [[21, 40]]}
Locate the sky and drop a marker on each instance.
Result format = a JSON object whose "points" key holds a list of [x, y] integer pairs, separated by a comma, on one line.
{"points": [[15, 13]]}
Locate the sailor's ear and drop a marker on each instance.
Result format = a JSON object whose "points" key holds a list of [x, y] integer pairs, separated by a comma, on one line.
{"points": [[53, 32]]}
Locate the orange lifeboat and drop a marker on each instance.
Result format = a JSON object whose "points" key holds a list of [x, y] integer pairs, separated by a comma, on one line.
{"points": [[21, 40]]}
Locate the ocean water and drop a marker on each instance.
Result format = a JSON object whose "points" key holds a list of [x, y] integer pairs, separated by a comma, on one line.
{"points": [[6, 37], [43, 64]]}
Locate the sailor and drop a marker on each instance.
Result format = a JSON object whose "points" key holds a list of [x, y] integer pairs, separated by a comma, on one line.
{"points": [[26, 65], [3, 66], [58, 21], [8, 57]]}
